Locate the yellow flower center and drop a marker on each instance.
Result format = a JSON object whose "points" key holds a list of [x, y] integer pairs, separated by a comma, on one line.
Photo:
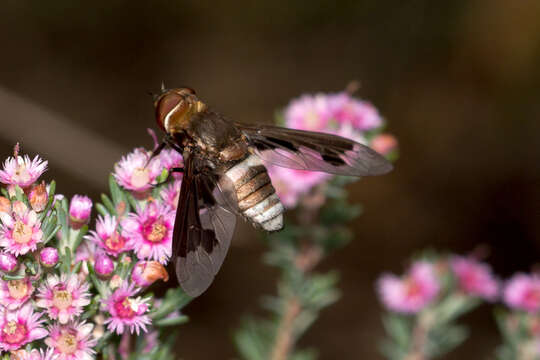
{"points": [[158, 232], [67, 343], [115, 242], [22, 174], [22, 233], [62, 299], [18, 289], [14, 332], [140, 177]]}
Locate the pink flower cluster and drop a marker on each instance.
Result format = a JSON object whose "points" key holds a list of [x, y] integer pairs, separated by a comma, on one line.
{"points": [[24, 312], [339, 114], [422, 283], [412, 292], [522, 292]]}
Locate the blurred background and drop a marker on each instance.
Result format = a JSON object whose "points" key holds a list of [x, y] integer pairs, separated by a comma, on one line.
{"points": [[457, 81]]}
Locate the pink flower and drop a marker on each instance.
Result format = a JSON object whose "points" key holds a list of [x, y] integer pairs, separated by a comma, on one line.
{"points": [[48, 256], [170, 159], [170, 194], [22, 171], [64, 297], [8, 262], [72, 341], [108, 238], [34, 354], [20, 232], [104, 265], [291, 184], [14, 293], [79, 211], [523, 292], [134, 174], [18, 328], [475, 278], [412, 292], [309, 112], [361, 115], [384, 144], [126, 312], [151, 230]]}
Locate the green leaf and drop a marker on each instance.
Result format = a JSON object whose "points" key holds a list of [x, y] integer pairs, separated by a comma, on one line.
{"points": [[51, 234], [108, 204], [103, 210], [399, 329], [182, 319], [8, 277], [175, 299], [79, 238]]}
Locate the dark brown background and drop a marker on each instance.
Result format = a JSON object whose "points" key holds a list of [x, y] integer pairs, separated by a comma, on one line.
{"points": [[457, 81]]}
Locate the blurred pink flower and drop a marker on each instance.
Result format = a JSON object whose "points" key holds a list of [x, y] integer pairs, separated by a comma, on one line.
{"points": [[522, 292], [63, 297], [72, 341], [22, 171], [133, 173], [108, 238], [291, 184], [20, 231], [384, 144], [126, 312], [309, 112], [18, 328], [347, 110], [475, 278], [151, 230], [14, 293], [151, 341], [79, 211], [412, 292]]}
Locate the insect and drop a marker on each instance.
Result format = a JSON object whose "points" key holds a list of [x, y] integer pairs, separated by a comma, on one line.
{"points": [[224, 176]]}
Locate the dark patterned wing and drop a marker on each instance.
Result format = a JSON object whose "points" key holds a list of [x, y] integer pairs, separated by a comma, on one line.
{"points": [[307, 150], [204, 226]]}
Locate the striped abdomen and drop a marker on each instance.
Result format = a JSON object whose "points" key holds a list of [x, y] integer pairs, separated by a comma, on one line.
{"points": [[257, 198]]}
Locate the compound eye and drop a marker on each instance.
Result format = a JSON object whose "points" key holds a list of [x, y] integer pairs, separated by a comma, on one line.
{"points": [[165, 105]]}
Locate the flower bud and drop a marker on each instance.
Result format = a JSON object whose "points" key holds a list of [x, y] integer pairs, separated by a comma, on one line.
{"points": [[146, 273], [38, 197], [104, 266], [79, 211], [384, 144], [48, 256], [8, 262], [115, 282], [19, 208], [5, 204]]}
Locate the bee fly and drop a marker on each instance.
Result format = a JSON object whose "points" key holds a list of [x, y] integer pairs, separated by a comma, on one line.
{"points": [[225, 176]]}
